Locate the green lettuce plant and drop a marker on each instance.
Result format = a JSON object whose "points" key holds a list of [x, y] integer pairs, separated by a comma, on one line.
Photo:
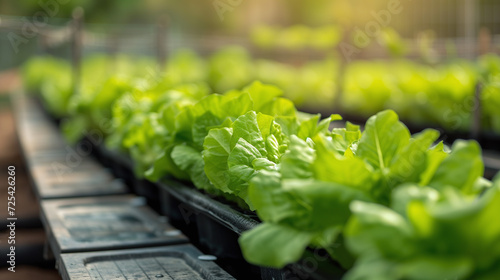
{"points": [[306, 200]]}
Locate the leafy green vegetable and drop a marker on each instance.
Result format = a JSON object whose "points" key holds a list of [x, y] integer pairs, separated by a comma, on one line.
{"points": [[391, 204], [51, 77], [434, 237], [343, 166], [461, 169], [233, 155], [210, 122]]}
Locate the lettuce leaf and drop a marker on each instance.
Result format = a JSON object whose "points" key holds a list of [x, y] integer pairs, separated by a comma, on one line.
{"points": [[437, 237], [314, 186], [233, 155]]}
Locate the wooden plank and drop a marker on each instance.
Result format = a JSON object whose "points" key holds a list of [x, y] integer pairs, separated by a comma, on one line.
{"points": [[104, 223], [177, 262]]}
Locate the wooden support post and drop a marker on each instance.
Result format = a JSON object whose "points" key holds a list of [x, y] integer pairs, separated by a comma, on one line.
{"points": [[484, 41], [470, 23], [113, 43], [339, 78], [43, 41], [161, 46]]}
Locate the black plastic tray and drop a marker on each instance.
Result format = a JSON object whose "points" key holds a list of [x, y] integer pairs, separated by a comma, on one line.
{"points": [[491, 163], [53, 177], [34, 141], [214, 225], [56, 169], [122, 167], [211, 224], [82, 185], [35, 129], [217, 226], [104, 223], [179, 262]]}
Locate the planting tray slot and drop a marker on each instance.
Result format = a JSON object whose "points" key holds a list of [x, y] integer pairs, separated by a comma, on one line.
{"points": [[53, 179], [104, 223], [81, 189], [173, 263], [56, 169], [123, 167]]}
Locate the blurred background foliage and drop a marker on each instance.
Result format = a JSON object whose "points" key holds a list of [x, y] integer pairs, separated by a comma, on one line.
{"points": [[417, 66], [235, 16]]}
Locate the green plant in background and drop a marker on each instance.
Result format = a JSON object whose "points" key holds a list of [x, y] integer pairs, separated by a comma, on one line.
{"points": [[390, 39], [142, 121], [51, 78], [185, 66], [317, 78], [489, 69], [325, 37], [440, 95], [297, 37], [103, 81], [264, 36], [490, 99], [230, 68], [294, 37]]}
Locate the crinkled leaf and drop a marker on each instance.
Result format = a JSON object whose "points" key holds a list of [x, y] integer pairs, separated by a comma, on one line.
{"points": [[296, 162]]}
